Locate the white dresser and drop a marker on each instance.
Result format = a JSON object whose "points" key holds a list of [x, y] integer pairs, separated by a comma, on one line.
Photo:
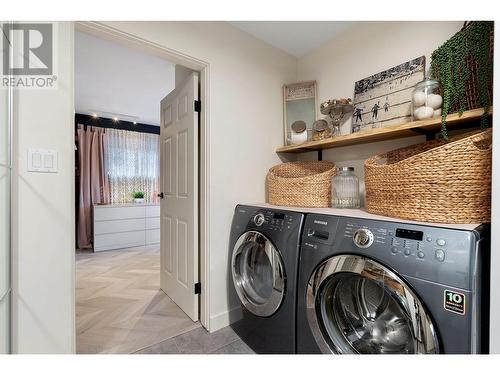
{"points": [[126, 225]]}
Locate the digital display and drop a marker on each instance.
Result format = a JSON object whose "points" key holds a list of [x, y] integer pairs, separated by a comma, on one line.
{"points": [[410, 234], [279, 216]]}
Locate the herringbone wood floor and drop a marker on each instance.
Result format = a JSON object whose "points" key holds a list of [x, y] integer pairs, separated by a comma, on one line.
{"points": [[119, 305]]}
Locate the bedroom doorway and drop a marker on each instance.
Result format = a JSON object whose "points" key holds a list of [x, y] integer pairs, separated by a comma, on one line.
{"points": [[137, 259]]}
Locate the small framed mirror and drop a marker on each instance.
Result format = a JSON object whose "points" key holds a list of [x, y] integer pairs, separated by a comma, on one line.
{"points": [[299, 104]]}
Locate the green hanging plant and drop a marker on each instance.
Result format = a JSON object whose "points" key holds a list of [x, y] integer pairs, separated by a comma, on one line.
{"points": [[450, 66]]}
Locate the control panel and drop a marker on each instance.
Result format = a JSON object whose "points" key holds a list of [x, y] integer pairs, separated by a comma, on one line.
{"points": [[441, 255], [273, 221], [399, 241]]}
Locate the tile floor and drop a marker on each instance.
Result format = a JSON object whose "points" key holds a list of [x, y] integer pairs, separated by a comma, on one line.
{"points": [[199, 341]]}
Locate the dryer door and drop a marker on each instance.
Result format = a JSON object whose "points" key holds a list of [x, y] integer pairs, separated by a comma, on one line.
{"points": [[356, 305], [258, 274]]}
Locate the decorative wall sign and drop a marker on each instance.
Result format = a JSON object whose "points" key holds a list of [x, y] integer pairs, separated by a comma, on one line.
{"points": [[299, 104], [384, 99], [301, 90]]}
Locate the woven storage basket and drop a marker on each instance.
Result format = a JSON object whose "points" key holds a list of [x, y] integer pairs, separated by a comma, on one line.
{"points": [[301, 184], [437, 181]]}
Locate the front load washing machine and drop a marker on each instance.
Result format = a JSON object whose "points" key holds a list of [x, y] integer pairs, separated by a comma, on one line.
{"points": [[264, 253], [372, 286]]}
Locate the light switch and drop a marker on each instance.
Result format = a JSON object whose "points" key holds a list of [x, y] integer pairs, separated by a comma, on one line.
{"points": [[36, 160], [48, 161], [44, 161]]}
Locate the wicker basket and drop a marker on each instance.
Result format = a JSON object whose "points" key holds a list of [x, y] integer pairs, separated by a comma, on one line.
{"points": [[437, 181], [301, 184]]}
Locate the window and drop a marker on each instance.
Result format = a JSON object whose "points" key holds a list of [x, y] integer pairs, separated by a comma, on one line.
{"points": [[132, 164]]}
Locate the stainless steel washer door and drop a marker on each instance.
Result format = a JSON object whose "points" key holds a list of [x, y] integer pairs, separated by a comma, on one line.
{"points": [[356, 305], [258, 274]]}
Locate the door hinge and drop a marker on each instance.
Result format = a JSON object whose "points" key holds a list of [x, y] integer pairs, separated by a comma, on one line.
{"points": [[197, 288], [197, 106]]}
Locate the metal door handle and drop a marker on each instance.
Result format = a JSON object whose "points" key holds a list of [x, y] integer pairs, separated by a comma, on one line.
{"points": [[161, 195]]}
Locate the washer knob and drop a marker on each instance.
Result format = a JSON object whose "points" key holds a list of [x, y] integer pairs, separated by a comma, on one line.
{"points": [[258, 219], [363, 238]]}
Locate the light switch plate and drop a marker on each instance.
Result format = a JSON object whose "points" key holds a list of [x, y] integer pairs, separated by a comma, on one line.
{"points": [[44, 161]]}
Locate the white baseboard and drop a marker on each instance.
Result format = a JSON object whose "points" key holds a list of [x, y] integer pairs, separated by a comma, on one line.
{"points": [[225, 318]]}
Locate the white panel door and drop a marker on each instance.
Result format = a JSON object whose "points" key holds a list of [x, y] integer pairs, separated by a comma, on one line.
{"points": [[179, 206]]}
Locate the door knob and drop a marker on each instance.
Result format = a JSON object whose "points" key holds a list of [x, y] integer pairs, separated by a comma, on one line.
{"points": [[161, 195]]}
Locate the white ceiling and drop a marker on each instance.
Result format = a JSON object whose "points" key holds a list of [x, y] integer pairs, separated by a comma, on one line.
{"points": [[294, 37], [115, 80]]}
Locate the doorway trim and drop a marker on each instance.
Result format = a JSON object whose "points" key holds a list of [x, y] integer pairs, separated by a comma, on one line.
{"points": [[110, 33]]}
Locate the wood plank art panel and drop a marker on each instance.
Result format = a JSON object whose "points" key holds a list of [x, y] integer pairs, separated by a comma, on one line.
{"points": [[384, 99]]}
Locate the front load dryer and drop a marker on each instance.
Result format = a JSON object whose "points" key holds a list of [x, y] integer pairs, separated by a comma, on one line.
{"points": [[264, 255], [375, 286]]}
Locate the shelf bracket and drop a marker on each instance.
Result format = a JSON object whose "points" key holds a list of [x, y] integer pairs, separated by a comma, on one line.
{"points": [[429, 135]]}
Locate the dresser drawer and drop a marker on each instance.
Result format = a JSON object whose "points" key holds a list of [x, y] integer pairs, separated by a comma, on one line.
{"points": [[152, 236], [153, 211], [153, 223], [119, 240], [118, 226], [117, 213]]}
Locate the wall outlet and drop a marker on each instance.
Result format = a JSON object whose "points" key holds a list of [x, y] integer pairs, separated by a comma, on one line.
{"points": [[44, 161]]}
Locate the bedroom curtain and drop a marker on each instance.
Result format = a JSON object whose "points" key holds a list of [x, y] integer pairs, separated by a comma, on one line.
{"points": [[94, 185], [133, 165]]}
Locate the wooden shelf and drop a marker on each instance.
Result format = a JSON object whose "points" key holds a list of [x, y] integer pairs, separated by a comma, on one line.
{"points": [[409, 129]]}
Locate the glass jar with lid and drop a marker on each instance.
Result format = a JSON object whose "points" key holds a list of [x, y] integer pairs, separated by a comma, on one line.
{"points": [[345, 186], [298, 134], [321, 130], [426, 100]]}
